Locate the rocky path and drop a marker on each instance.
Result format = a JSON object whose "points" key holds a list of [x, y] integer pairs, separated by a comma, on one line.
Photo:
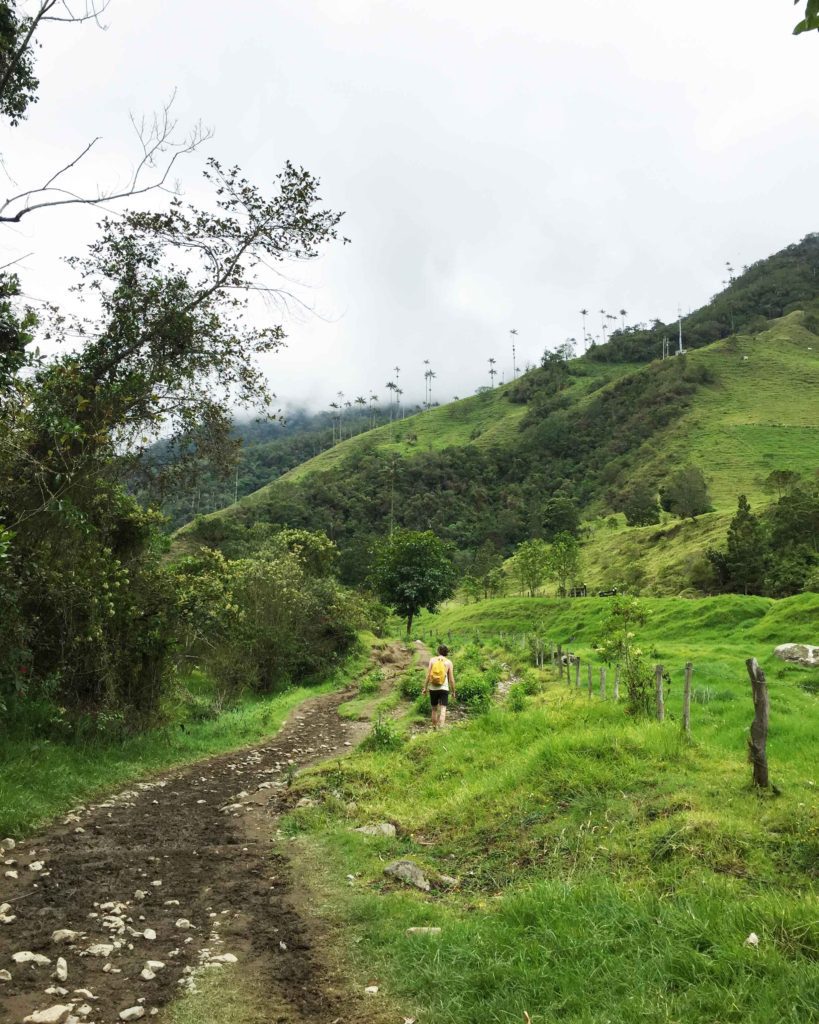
{"points": [[113, 912]]}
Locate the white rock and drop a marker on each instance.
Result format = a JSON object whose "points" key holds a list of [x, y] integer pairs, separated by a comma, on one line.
{"points": [[64, 935], [408, 872], [84, 1010], [155, 965], [100, 949], [384, 829], [802, 654], [8, 918], [132, 1013], [53, 1015], [371, 990], [4, 909], [147, 974], [149, 934], [61, 971], [5, 976], [183, 924], [85, 993], [7, 844], [36, 865], [157, 883], [752, 940], [26, 957], [140, 894], [224, 958], [12, 875]]}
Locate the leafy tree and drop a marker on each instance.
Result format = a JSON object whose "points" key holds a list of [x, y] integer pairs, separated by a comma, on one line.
{"points": [[496, 583], [530, 565], [564, 560], [747, 555], [472, 589], [413, 570], [640, 505], [560, 515], [686, 493], [781, 481], [618, 645], [487, 560]]}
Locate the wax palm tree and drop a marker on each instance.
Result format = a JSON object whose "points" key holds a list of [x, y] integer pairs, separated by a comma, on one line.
{"points": [[373, 400], [492, 371], [391, 387], [603, 323], [513, 333], [426, 383], [623, 315], [361, 402], [334, 406], [584, 313]]}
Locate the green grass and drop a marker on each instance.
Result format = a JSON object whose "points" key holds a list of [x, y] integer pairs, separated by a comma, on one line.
{"points": [[40, 778], [610, 869]]}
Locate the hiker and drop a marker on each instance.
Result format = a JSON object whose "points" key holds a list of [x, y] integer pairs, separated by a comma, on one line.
{"points": [[440, 682]]}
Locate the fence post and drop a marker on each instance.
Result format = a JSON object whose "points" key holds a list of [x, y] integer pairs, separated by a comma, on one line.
{"points": [[589, 667], [686, 715], [602, 682], [617, 682], [759, 726], [577, 674], [658, 674]]}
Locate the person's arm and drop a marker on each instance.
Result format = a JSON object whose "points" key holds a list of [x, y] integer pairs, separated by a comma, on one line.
{"points": [[451, 672]]}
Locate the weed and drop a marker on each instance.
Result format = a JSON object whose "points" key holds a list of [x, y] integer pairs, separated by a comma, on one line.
{"points": [[383, 736]]}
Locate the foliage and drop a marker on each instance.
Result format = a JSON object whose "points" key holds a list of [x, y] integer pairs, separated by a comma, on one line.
{"points": [[384, 736], [516, 700], [475, 690], [264, 622], [18, 83], [811, 19], [530, 565], [413, 570], [747, 555], [686, 493], [560, 515], [640, 505], [564, 560], [618, 645]]}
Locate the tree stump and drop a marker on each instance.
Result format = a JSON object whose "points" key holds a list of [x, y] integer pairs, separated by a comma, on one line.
{"points": [[757, 754]]}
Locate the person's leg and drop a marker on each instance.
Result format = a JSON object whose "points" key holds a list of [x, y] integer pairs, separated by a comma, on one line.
{"points": [[442, 716]]}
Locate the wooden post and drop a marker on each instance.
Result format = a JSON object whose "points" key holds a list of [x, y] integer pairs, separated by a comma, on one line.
{"points": [[686, 715], [602, 682], [759, 727], [617, 683], [589, 667], [658, 674], [577, 674]]}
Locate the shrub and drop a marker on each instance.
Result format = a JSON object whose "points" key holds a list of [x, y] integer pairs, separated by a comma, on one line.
{"points": [[410, 684], [516, 701], [475, 691], [530, 682], [383, 736], [371, 683]]}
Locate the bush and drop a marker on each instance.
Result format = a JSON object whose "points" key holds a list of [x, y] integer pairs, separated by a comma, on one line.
{"points": [[371, 683], [530, 682], [411, 683], [475, 691], [516, 701], [383, 736]]}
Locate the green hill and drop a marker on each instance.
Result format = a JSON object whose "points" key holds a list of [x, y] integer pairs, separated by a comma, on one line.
{"points": [[480, 470]]}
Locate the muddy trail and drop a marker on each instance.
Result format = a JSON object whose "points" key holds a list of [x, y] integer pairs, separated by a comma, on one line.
{"points": [[114, 911]]}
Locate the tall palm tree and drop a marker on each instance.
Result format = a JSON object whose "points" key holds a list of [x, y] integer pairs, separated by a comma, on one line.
{"points": [[334, 406], [373, 399], [623, 315], [398, 391], [603, 323], [584, 313], [492, 371], [513, 332], [391, 387], [426, 383], [360, 401]]}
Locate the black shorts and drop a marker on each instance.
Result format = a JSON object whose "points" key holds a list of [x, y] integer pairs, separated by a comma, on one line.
{"points": [[439, 697]]}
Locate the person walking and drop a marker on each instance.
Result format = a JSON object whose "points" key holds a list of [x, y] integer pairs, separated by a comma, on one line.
{"points": [[440, 682]]}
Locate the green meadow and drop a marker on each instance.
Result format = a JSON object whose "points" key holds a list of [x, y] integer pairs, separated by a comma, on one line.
{"points": [[608, 869]]}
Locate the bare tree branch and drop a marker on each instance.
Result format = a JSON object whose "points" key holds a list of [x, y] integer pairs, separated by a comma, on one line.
{"points": [[156, 139]]}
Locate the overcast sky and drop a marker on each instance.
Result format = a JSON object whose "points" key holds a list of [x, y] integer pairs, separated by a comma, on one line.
{"points": [[500, 164]]}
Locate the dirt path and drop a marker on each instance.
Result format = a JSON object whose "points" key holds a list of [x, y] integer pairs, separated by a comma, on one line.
{"points": [[179, 871]]}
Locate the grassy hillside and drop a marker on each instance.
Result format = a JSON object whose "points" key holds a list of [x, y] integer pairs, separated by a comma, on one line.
{"points": [[607, 870]]}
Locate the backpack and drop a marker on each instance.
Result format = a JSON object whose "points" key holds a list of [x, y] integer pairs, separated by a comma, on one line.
{"points": [[437, 671]]}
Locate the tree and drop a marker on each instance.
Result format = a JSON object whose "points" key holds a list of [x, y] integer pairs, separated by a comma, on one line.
{"points": [[747, 555], [811, 19], [487, 559], [640, 505], [413, 570], [618, 645], [686, 493], [560, 515], [781, 481], [564, 560], [530, 565], [159, 144]]}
